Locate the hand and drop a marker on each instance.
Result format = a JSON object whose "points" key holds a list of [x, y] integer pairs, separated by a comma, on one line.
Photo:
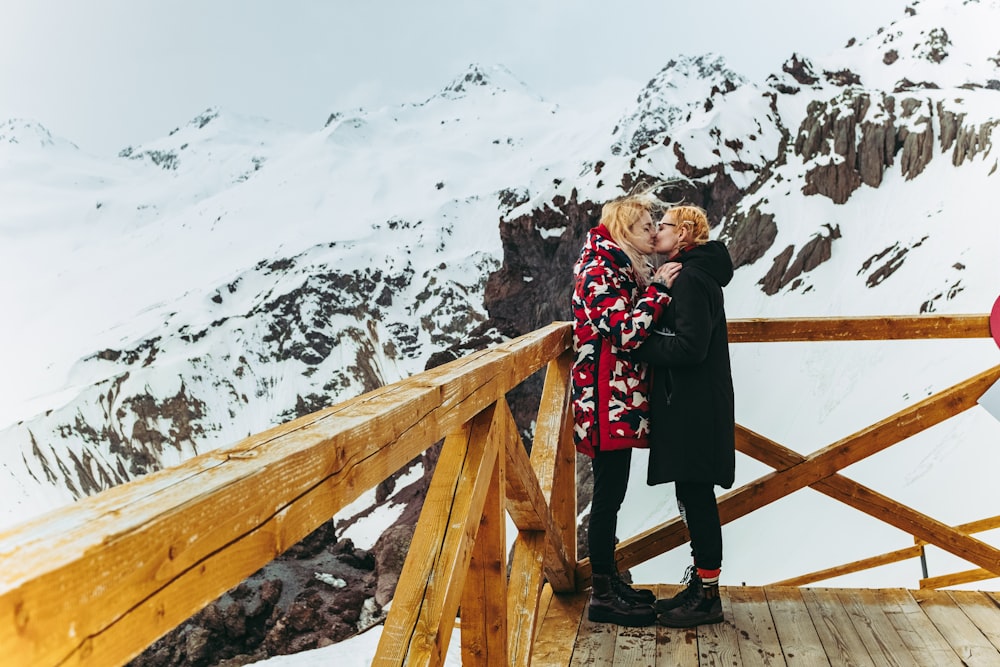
{"points": [[667, 273]]}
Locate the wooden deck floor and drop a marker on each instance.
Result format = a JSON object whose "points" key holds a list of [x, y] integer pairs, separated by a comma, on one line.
{"points": [[787, 626]]}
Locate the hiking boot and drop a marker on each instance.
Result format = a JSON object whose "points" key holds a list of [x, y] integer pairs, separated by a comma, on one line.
{"points": [[607, 606], [626, 592], [700, 609], [692, 588]]}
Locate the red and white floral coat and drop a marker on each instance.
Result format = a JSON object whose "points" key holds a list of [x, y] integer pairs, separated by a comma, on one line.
{"points": [[612, 316]]}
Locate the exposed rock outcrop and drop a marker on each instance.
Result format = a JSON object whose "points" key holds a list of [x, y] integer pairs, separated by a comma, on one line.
{"points": [[916, 138], [319, 592], [534, 283], [749, 235], [854, 138], [967, 140], [816, 251]]}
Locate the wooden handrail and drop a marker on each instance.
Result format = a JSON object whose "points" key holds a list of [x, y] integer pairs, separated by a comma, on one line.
{"points": [[96, 582], [815, 329]]}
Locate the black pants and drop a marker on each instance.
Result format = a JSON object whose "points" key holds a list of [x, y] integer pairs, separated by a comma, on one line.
{"points": [[700, 511], [611, 470]]}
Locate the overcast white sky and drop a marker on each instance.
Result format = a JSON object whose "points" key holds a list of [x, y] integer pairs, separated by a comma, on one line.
{"points": [[109, 73]]}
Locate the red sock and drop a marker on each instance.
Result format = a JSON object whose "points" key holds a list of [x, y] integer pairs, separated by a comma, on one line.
{"points": [[709, 576]]}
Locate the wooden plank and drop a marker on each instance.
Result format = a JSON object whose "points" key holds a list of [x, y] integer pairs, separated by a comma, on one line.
{"points": [[595, 643], [982, 611], [860, 497], [554, 646], [956, 578], [965, 638], [675, 647], [757, 637], [635, 647], [419, 624], [524, 610], [484, 596], [836, 631], [821, 465], [927, 646], [753, 330], [800, 643], [885, 647], [718, 643]]}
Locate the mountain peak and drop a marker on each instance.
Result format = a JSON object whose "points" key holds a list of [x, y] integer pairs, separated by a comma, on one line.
{"points": [[686, 87], [211, 132], [29, 133], [492, 80]]}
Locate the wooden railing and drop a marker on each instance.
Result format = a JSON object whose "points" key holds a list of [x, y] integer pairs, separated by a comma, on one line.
{"points": [[98, 581]]}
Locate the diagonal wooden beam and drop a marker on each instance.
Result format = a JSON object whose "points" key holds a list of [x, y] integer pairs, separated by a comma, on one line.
{"points": [[874, 504], [814, 468], [859, 446], [526, 504], [531, 481]]}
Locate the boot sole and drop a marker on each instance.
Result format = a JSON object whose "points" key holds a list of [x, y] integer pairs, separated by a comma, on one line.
{"points": [[688, 623], [618, 619]]}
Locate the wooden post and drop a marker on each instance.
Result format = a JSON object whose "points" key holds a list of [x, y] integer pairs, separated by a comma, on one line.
{"points": [[484, 598], [422, 617]]}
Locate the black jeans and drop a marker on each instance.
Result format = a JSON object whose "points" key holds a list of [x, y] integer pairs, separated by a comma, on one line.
{"points": [[611, 470], [700, 511]]}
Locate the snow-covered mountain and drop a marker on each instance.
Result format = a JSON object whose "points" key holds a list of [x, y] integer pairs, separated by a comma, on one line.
{"points": [[235, 274]]}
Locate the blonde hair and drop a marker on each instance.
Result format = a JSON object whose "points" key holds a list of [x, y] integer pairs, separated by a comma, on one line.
{"points": [[621, 217], [692, 218]]}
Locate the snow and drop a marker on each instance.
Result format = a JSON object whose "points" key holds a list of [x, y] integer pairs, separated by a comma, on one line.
{"points": [[355, 652], [103, 253]]}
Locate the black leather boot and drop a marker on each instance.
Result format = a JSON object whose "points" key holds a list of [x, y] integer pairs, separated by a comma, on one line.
{"points": [[606, 606], [700, 609], [692, 588], [626, 592]]}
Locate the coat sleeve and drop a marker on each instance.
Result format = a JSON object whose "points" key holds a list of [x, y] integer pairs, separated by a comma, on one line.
{"points": [[608, 305], [693, 324]]}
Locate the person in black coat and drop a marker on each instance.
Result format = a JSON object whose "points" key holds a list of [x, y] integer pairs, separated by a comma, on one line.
{"points": [[692, 438]]}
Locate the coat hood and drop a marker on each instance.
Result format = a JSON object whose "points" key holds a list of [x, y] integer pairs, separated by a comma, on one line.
{"points": [[599, 244], [712, 258]]}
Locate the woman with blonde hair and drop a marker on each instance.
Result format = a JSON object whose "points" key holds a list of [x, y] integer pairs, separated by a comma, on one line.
{"points": [[692, 441], [615, 303]]}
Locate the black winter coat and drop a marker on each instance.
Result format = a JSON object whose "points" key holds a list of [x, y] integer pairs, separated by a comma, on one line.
{"points": [[692, 436]]}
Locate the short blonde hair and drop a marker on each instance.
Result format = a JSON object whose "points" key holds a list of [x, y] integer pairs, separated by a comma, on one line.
{"points": [[693, 218]]}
